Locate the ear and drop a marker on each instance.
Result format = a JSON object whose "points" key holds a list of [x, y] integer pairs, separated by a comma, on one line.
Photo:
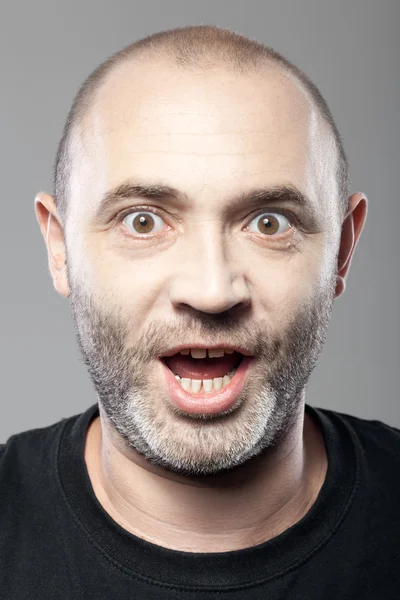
{"points": [[53, 233], [352, 227]]}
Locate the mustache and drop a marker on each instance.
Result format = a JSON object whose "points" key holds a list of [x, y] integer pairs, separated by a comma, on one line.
{"points": [[209, 329], [111, 329], [108, 329]]}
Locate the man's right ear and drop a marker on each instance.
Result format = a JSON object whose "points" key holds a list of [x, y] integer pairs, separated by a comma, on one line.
{"points": [[53, 234]]}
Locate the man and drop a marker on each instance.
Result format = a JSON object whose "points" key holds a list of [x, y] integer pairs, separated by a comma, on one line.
{"points": [[201, 226]]}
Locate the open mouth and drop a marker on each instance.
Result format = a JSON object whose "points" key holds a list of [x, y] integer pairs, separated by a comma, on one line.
{"points": [[203, 371]]}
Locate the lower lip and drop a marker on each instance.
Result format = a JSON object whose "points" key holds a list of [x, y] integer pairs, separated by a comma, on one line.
{"points": [[202, 403]]}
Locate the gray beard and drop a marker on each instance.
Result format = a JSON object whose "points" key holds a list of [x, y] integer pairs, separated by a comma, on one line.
{"points": [[196, 445]]}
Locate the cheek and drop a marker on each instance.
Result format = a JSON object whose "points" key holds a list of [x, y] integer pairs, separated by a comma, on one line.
{"points": [[78, 258], [281, 289], [279, 282], [127, 284], [283, 286]]}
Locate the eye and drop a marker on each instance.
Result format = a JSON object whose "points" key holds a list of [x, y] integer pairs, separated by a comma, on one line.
{"points": [[271, 223], [142, 222]]}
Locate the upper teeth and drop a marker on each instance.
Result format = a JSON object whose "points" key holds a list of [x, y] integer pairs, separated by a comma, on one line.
{"points": [[202, 352]]}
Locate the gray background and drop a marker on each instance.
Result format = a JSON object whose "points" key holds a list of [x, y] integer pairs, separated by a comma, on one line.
{"points": [[349, 48]]}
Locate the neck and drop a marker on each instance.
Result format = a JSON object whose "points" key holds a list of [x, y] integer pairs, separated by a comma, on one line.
{"points": [[236, 509]]}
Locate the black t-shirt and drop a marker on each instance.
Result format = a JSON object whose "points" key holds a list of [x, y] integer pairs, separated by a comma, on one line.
{"points": [[57, 541]]}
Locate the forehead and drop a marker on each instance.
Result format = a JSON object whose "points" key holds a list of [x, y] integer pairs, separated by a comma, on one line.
{"points": [[201, 131]]}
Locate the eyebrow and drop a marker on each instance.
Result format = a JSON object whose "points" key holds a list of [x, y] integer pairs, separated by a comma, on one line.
{"points": [[282, 194]]}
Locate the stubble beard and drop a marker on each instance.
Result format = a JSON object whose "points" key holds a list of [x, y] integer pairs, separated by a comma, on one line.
{"points": [[133, 395]]}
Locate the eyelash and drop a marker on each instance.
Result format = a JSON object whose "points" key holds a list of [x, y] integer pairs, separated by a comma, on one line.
{"points": [[292, 218]]}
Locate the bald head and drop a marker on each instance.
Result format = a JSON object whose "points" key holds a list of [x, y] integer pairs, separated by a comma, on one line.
{"points": [[204, 179], [196, 49]]}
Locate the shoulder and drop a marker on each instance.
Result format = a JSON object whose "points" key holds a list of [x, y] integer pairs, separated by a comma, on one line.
{"points": [[378, 443], [28, 454], [375, 433]]}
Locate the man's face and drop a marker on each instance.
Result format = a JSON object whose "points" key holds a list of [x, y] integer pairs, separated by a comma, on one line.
{"points": [[202, 268]]}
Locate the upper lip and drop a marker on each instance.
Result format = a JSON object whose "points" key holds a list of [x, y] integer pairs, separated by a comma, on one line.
{"points": [[177, 349]]}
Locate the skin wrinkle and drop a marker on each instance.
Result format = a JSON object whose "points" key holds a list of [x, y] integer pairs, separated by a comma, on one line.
{"points": [[201, 483]]}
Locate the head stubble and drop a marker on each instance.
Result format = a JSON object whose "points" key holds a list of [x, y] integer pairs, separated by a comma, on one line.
{"points": [[129, 392]]}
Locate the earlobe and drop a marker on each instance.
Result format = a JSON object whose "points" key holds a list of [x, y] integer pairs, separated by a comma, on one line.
{"points": [[60, 281], [53, 234], [340, 286], [352, 227]]}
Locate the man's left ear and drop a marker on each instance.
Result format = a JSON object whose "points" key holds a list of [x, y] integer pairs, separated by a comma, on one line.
{"points": [[352, 227]]}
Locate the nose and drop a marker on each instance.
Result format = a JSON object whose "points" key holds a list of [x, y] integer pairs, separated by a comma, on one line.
{"points": [[209, 275]]}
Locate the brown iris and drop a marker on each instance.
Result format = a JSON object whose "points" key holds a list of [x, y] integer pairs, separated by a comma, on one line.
{"points": [[144, 222], [269, 225]]}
